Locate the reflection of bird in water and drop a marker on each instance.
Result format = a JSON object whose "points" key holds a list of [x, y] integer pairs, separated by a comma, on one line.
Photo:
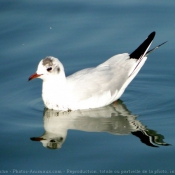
{"points": [[114, 119]]}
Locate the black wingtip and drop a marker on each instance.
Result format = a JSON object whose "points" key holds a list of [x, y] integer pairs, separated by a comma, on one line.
{"points": [[143, 47], [152, 35]]}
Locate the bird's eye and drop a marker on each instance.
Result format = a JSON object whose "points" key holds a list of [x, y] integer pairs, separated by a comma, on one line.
{"points": [[49, 69]]}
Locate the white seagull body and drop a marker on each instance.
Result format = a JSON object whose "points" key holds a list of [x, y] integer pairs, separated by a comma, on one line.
{"points": [[91, 87]]}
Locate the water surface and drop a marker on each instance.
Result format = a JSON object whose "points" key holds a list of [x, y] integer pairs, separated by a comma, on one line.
{"points": [[133, 135]]}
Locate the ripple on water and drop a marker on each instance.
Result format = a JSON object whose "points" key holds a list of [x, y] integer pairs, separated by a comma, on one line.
{"points": [[148, 96]]}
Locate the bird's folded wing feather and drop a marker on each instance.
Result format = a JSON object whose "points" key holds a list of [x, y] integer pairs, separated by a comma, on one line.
{"points": [[107, 77]]}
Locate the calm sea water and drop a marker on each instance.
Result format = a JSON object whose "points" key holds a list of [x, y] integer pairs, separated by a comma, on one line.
{"points": [[130, 137]]}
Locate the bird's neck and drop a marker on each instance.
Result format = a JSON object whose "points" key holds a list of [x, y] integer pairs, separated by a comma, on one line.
{"points": [[55, 93], [54, 86], [55, 80]]}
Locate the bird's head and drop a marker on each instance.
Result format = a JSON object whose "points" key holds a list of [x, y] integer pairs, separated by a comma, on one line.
{"points": [[48, 68]]}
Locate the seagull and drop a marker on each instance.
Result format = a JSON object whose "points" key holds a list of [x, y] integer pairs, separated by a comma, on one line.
{"points": [[91, 87]]}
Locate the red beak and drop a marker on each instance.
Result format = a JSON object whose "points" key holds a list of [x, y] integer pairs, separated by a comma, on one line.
{"points": [[35, 75]]}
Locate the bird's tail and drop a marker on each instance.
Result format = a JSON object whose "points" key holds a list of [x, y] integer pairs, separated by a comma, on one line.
{"points": [[142, 49], [141, 52]]}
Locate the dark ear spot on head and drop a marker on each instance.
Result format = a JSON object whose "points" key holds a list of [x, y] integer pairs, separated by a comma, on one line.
{"points": [[58, 69]]}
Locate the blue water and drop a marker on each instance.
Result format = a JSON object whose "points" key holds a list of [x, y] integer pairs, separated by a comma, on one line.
{"points": [[84, 34]]}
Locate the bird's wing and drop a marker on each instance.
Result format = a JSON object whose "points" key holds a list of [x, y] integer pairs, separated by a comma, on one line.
{"points": [[112, 76], [108, 77]]}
